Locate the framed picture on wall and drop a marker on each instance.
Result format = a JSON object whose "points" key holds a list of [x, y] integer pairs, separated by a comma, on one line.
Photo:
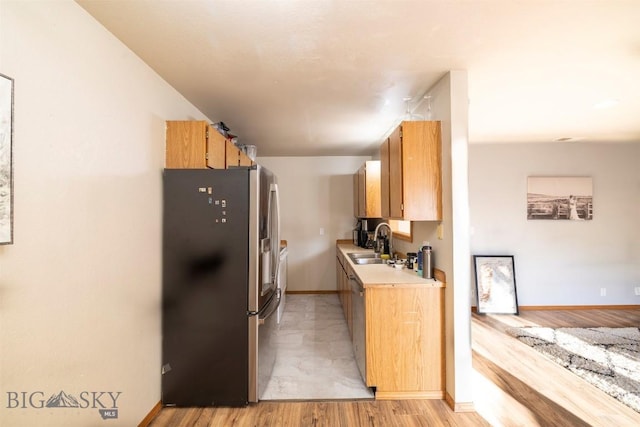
{"points": [[6, 160], [560, 197], [495, 284]]}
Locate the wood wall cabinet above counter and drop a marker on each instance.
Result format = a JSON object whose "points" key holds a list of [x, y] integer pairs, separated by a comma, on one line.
{"points": [[366, 190], [411, 172], [195, 144]]}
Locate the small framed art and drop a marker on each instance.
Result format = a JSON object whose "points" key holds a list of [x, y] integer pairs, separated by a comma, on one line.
{"points": [[495, 284]]}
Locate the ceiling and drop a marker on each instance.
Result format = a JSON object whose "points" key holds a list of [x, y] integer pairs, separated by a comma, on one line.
{"points": [[309, 78]]}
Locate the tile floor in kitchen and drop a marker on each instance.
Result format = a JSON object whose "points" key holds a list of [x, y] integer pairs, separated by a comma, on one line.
{"points": [[315, 357]]}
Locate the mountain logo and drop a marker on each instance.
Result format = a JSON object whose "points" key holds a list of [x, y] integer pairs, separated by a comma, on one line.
{"points": [[62, 400], [106, 402]]}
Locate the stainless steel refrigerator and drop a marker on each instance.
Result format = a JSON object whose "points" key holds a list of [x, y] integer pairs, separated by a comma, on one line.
{"points": [[221, 247]]}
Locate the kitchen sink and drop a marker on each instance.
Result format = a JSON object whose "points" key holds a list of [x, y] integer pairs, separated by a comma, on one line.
{"points": [[355, 255], [365, 258], [369, 260]]}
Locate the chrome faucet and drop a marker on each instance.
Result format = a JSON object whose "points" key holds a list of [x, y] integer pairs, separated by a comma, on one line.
{"points": [[375, 238]]}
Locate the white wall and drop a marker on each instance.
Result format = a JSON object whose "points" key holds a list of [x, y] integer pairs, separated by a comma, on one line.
{"points": [[80, 288], [315, 193], [560, 262]]}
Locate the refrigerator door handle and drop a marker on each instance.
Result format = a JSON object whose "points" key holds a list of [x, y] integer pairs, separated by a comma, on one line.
{"points": [[263, 319], [265, 254], [275, 233]]}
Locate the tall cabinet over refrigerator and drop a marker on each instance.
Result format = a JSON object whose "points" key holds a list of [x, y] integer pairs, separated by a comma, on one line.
{"points": [[220, 265]]}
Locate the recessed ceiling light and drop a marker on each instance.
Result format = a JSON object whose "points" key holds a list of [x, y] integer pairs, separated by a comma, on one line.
{"points": [[606, 103]]}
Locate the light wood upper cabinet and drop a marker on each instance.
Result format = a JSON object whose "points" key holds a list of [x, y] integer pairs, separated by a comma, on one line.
{"points": [[384, 180], [411, 161], [195, 144], [356, 194], [187, 145], [235, 157], [362, 192], [367, 182], [396, 204]]}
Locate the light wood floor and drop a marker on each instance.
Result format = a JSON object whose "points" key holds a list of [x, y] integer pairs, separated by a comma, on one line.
{"points": [[517, 386], [513, 386]]}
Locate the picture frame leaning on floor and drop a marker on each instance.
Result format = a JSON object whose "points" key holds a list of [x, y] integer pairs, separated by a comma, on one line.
{"points": [[495, 284]]}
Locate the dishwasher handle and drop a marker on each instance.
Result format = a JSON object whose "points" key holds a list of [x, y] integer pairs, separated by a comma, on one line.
{"points": [[355, 278]]}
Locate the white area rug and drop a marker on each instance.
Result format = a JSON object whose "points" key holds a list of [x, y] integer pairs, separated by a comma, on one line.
{"points": [[608, 358]]}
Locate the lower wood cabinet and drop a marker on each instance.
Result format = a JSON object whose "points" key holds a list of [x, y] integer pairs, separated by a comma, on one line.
{"points": [[405, 341], [397, 332]]}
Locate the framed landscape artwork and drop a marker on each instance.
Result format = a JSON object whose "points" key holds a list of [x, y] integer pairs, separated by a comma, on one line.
{"points": [[564, 197], [6, 171], [495, 284]]}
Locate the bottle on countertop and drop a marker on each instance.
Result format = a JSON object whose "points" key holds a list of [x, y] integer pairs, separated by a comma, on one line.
{"points": [[420, 260], [427, 262]]}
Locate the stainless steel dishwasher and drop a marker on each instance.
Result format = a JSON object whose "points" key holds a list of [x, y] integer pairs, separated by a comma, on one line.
{"points": [[357, 301]]}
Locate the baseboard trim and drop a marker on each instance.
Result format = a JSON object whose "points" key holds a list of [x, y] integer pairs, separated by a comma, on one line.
{"points": [[460, 406], [151, 415], [311, 292], [474, 309], [408, 395], [580, 307]]}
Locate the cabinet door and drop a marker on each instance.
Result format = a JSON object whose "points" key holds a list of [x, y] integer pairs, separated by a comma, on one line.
{"points": [[384, 179], [216, 146], [395, 175], [232, 154], [372, 189], [404, 340], [235, 157], [366, 193], [186, 145], [356, 195], [362, 192], [243, 159], [421, 175]]}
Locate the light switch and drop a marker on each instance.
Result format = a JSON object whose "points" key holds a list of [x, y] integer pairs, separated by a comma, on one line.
{"points": [[440, 232], [322, 231]]}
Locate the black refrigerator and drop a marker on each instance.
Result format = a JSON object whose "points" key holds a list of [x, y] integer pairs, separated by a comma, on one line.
{"points": [[219, 285]]}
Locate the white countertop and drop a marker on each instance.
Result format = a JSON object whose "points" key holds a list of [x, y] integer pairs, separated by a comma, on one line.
{"points": [[383, 274]]}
